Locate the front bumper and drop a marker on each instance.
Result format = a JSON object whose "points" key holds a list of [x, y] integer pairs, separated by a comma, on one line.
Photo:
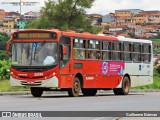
{"points": [[48, 83]]}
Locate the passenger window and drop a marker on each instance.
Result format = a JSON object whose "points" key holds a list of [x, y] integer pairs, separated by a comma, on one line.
{"points": [[127, 47], [117, 51], [79, 50], [106, 45], [94, 50], [146, 53], [79, 43], [106, 55], [94, 44], [136, 57], [128, 57], [116, 46], [137, 47], [93, 55], [117, 56]]}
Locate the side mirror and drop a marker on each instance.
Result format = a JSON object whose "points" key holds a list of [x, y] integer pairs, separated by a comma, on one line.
{"points": [[8, 47], [64, 49]]}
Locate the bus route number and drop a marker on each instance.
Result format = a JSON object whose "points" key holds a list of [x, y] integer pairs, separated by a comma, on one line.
{"points": [[38, 74]]}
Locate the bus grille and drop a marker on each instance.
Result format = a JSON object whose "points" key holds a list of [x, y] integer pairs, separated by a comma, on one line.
{"points": [[31, 84]]}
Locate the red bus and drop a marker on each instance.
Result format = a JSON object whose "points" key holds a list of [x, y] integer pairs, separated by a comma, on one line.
{"points": [[48, 60]]}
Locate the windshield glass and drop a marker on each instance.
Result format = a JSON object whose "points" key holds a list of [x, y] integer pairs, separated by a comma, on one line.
{"points": [[34, 54]]}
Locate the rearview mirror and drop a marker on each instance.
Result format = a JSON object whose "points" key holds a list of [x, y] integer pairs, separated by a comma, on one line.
{"points": [[8, 48], [64, 49]]}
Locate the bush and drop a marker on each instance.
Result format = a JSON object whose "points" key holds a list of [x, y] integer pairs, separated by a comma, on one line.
{"points": [[158, 70], [4, 67]]}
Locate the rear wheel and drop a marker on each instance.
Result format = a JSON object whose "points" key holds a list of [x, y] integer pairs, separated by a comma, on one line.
{"points": [[75, 90], [36, 92], [125, 87], [89, 92]]}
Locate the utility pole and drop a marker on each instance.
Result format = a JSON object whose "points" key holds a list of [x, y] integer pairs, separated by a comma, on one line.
{"points": [[20, 7]]}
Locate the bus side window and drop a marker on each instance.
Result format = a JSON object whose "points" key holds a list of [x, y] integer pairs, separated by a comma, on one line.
{"points": [[79, 51], [137, 49], [127, 54], [146, 53], [117, 51], [94, 50]]}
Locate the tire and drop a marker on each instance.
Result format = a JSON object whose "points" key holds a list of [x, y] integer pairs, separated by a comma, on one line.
{"points": [[89, 92], [75, 90], [125, 87], [36, 92]]}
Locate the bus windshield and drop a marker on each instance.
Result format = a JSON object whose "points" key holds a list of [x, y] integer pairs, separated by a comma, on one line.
{"points": [[34, 54]]}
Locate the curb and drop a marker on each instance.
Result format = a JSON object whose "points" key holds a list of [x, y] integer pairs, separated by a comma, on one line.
{"points": [[63, 92]]}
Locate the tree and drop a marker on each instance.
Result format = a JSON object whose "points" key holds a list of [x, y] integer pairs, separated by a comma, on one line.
{"points": [[107, 27], [3, 40], [158, 35], [132, 35], [64, 15]]}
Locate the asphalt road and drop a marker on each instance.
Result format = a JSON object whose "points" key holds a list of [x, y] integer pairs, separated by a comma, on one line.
{"points": [[149, 101]]}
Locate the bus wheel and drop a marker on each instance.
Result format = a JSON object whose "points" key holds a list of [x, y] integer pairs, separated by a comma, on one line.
{"points": [[36, 92], [75, 90], [125, 87], [89, 92]]}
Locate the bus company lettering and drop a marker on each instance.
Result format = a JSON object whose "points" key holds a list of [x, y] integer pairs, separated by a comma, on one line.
{"points": [[22, 75], [115, 68], [38, 74], [89, 78]]}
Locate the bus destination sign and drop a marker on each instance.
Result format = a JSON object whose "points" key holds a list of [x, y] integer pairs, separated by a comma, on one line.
{"points": [[34, 35]]}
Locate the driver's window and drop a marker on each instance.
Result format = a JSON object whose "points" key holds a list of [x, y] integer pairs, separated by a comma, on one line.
{"points": [[64, 58]]}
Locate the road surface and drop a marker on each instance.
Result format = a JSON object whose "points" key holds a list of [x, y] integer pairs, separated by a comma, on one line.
{"points": [[147, 101]]}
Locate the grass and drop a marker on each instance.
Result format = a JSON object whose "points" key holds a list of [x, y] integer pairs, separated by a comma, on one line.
{"points": [[5, 86]]}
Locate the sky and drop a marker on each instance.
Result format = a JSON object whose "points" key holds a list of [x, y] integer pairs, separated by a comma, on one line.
{"points": [[99, 6]]}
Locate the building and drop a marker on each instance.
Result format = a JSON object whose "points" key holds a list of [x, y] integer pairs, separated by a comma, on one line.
{"points": [[154, 18], [108, 18], [140, 19], [127, 12], [30, 16], [2, 16], [9, 22], [151, 12], [124, 21], [123, 13]]}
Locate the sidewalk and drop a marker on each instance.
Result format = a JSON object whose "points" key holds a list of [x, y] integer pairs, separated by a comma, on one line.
{"points": [[60, 92]]}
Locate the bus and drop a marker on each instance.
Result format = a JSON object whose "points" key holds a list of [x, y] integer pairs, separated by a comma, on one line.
{"points": [[48, 60]]}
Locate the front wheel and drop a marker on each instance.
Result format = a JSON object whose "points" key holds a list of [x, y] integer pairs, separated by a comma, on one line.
{"points": [[75, 90], [36, 92], [125, 87]]}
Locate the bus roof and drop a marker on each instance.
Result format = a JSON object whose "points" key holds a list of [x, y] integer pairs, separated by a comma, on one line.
{"points": [[121, 38], [87, 35]]}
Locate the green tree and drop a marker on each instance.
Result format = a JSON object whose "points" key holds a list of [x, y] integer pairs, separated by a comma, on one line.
{"points": [[65, 15], [158, 35], [3, 40], [132, 35], [107, 27]]}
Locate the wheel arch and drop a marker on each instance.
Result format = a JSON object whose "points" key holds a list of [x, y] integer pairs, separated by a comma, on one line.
{"points": [[127, 75], [80, 76]]}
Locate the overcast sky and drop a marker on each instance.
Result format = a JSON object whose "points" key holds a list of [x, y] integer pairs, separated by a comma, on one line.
{"points": [[99, 6]]}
